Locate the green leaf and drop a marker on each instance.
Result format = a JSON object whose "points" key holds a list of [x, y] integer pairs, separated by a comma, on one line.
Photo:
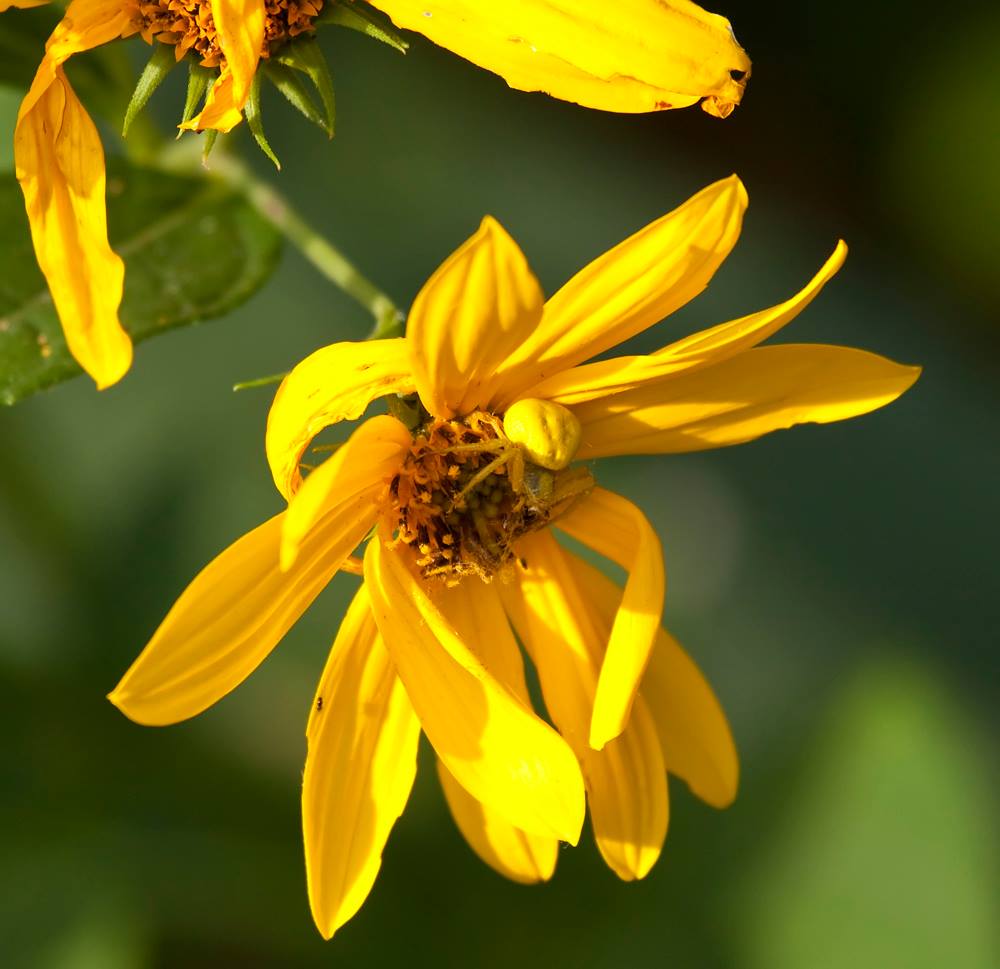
{"points": [[193, 248], [293, 88], [304, 55], [366, 21], [159, 66], [255, 122]]}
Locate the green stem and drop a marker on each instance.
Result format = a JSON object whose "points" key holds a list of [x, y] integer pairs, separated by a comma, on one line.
{"points": [[326, 257]]}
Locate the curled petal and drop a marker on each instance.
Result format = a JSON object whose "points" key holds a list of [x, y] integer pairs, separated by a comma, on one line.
{"points": [[613, 526], [565, 632], [59, 162], [629, 288], [331, 385], [369, 458], [762, 390], [493, 744], [239, 26], [605, 377], [360, 768], [630, 56], [477, 308]]}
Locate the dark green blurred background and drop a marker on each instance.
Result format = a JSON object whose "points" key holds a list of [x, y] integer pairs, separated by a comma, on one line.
{"points": [[837, 584]]}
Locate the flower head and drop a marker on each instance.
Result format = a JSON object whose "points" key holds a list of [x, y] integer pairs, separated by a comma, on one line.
{"points": [[458, 495]]}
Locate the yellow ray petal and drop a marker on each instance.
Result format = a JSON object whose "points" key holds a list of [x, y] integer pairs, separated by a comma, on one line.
{"points": [[565, 633], [239, 28], [630, 287], [360, 767], [617, 529], [762, 390], [476, 614], [331, 385], [496, 747], [59, 162], [604, 377], [694, 735], [477, 308], [637, 55], [515, 854], [21, 4], [697, 743], [232, 615], [370, 457]]}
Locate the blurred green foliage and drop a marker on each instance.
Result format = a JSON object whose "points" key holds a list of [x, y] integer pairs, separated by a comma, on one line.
{"points": [[837, 584]]}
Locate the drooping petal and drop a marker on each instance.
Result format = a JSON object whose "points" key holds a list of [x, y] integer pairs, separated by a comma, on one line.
{"points": [[477, 308], [6, 5], [370, 457], [232, 615], [360, 768], [515, 854], [604, 377], [694, 734], [697, 743], [613, 526], [633, 56], [331, 385], [477, 616], [629, 288], [762, 390], [59, 162], [239, 29], [565, 633], [495, 746]]}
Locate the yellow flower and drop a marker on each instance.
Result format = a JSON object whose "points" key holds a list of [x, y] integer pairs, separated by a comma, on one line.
{"points": [[495, 409], [648, 55], [630, 55]]}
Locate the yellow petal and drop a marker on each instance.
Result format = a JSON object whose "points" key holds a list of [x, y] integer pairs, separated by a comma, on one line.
{"points": [[232, 615], [630, 287], [360, 767], [617, 529], [565, 633], [331, 385], [515, 854], [633, 56], [593, 380], [496, 747], [239, 30], [369, 458], [59, 162], [694, 734], [762, 390], [477, 308], [476, 614], [697, 743], [22, 4]]}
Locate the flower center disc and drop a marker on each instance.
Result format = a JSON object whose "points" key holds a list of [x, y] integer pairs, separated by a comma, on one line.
{"points": [[189, 26], [466, 494]]}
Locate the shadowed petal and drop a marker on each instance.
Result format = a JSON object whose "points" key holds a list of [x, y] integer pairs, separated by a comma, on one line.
{"points": [[565, 634], [613, 526], [360, 768], [495, 746], [762, 390]]}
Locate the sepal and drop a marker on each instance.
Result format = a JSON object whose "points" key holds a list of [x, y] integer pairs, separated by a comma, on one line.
{"points": [[305, 55], [365, 20], [255, 123], [159, 66]]}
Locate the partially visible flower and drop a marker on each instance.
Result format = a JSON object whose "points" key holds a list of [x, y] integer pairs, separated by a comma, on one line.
{"points": [[494, 407], [629, 55]]}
